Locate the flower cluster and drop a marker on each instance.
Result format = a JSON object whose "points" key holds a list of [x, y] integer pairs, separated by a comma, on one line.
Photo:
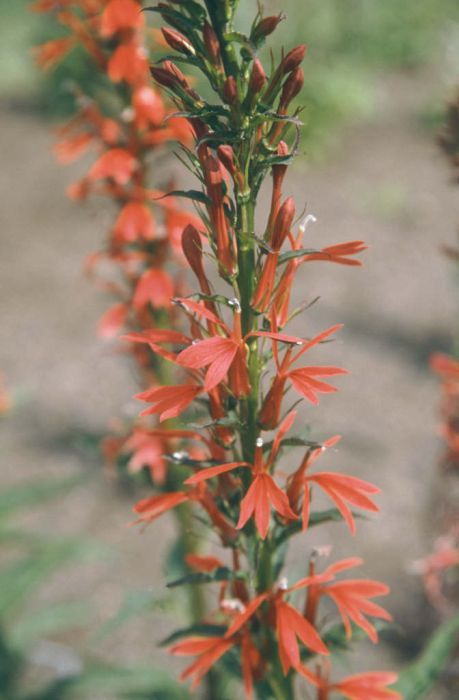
{"points": [[127, 124], [240, 375]]}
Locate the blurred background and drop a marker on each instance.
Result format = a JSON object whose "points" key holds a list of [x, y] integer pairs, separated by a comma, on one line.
{"points": [[80, 590]]}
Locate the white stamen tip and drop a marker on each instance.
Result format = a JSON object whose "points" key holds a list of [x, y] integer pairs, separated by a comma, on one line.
{"points": [[309, 219], [179, 455], [128, 114], [283, 584], [235, 304], [233, 605], [259, 442]]}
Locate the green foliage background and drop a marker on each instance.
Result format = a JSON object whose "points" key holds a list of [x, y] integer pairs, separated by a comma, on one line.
{"points": [[352, 43]]}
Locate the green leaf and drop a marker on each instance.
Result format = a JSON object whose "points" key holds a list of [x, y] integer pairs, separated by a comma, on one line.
{"points": [[317, 518], [176, 19], [419, 678], [292, 254], [199, 630], [198, 577], [18, 497], [194, 195]]}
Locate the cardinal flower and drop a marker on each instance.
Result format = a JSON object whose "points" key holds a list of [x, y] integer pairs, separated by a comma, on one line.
{"points": [[351, 597], [304, 379], [147, 450], [210, 649], [264, 290], [363, 686], [134, 221], [340, 488], [169, 401], [339, 253], [116, 164], [120, 15], [155, 287], [53, 51], [263, 493], [128, 63], [112, 321], [149, 107], [148, 509], [291, 626], [227, 355]]}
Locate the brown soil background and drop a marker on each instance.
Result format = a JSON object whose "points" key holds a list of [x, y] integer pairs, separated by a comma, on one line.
{"points": [[386, 183]]}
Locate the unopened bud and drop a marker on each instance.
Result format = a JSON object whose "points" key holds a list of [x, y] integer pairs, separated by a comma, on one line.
{"points": [[283, 223], [226, 156], [178, 42], [292, 87], [280, 168], [293, 59], [163, 77], [212, 44], [257, 78], [230, 90], [175, 71], [266, 27], [192, 249]]}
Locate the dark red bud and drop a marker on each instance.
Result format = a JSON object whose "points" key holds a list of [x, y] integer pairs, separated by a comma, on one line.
{"points": [[192, 249], [257, 78], [283, 223], [175, 71], [293, 59], [280, 168], [292, 86], [230, 90], [282, 149], [177, 41], [212, 44], [226, 156], [266, 26], [163, 77], [213, 171]]}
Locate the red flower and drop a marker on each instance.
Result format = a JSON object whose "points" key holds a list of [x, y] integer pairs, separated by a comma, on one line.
{"points": [[340, 488], [147, 451], [338, 253], [291, 626], [155, 287], [350, 596], [71, 148], [222, 355], [129, 63], [210, 649], [53, 51], [134, 221], [281, 229], [149, 107], [200, 563], [263, 492], [116, 164], [112, 321], [169, 401], [367, 686], [119, 15], [304, 379], [148, 509]]}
